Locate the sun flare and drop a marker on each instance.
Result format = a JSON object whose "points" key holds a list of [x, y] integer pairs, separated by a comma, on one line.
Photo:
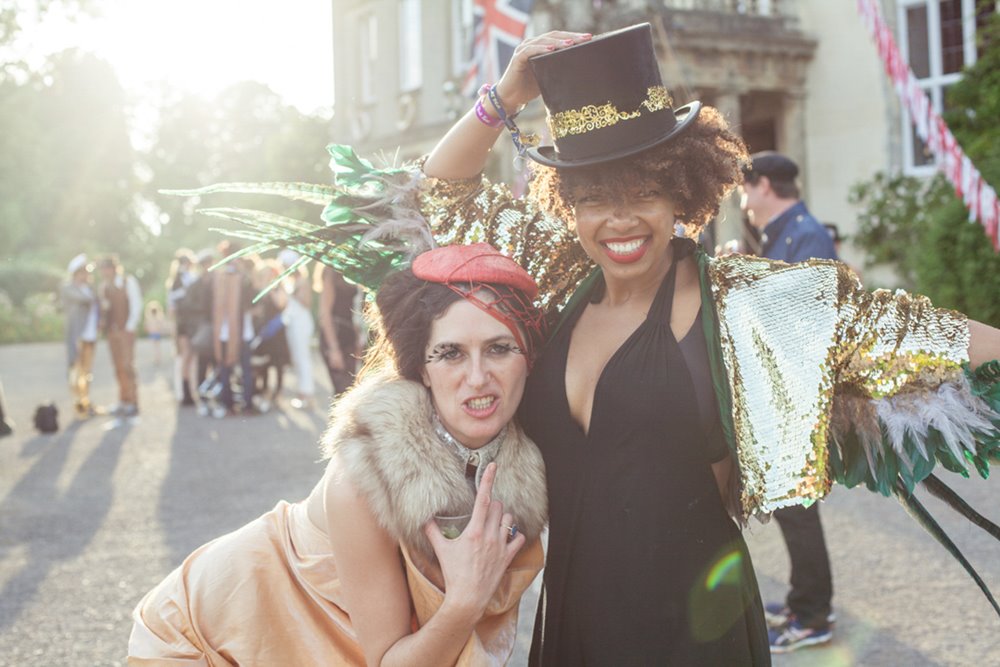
{"points": [[204, 45]]}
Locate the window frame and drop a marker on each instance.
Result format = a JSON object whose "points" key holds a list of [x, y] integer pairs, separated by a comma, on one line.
{"points": [[462, 24], [934, 84], [410, 37]]}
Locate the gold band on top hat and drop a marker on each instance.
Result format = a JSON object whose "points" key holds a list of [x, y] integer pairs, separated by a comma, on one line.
{"points": [[594, 117]]}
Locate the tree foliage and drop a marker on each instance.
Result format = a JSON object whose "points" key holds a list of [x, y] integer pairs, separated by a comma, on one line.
{"points": [[71, 180], [13, 13], [67, 167], [245, 134], [894, 212], [921, 228]]}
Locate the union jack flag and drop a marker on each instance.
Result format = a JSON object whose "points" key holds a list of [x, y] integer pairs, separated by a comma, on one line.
{"points": [[497, 28]]}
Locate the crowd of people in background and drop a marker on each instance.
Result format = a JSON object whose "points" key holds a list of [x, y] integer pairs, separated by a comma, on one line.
{"points": [[231, 347]]}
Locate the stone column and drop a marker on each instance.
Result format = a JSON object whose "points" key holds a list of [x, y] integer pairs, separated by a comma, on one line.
{"points": [[792, 134], [728, 225], [728, 102]]}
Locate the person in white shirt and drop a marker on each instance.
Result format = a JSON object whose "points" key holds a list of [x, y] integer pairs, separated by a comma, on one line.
{"points": [[299, 328]]}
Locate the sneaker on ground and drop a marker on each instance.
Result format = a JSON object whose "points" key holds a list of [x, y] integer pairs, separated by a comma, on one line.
{"points": [[794, 636], [203, 410], [219, 412], [777, 615]]}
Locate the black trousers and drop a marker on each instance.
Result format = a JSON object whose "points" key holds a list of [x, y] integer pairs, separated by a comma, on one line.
{"points": [[341, 379], [811, 581]]}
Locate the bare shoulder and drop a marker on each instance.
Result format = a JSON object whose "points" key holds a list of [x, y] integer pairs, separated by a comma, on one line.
{"points": [[342, 496], [350, 520]]}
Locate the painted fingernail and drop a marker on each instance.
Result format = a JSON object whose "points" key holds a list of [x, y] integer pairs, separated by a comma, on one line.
{"points": [[567, 41], [550, 48]]}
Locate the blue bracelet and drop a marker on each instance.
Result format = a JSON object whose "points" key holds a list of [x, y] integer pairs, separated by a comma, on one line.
{"points": [[520, 143]]}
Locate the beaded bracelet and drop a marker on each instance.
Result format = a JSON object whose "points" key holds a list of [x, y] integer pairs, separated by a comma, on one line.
{"points": [[520, 143]]}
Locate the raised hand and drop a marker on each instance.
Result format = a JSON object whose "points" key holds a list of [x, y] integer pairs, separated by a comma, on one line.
{"points": [[474, 562], [517, 86]]}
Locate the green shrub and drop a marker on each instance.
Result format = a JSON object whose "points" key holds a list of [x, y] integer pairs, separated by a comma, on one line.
{"points": [[38, 319], [20, 279]]}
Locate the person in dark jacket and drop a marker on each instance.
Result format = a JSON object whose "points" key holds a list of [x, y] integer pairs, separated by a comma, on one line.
{"points": [[6, 425], [183, 274], [789, 232]]}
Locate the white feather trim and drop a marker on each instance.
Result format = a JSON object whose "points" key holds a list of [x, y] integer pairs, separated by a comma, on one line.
{"points": [[951, 409], [395, 213]]}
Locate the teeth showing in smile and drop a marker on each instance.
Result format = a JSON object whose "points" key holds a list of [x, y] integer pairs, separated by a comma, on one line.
{"points": [[626, 248], [480, 403]]}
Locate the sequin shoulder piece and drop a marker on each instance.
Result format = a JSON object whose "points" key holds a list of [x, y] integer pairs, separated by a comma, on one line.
{"points": [[476, 210], [819, 369]]}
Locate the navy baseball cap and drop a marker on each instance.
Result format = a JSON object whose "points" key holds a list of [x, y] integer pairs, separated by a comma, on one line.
{"points": [[775, 166]]}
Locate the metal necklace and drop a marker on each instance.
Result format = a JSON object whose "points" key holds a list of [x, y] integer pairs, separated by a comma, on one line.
{"points": [[475, 460]]}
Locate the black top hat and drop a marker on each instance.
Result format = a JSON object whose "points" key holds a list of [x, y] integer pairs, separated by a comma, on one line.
{"points": [[606, 100]]}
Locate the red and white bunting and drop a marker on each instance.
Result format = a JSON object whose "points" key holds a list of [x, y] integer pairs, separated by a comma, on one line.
{"points": [[978, 195]]}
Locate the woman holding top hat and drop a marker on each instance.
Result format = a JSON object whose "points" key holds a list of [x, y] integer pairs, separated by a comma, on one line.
{"points": [[676, 387], [416, 545]]}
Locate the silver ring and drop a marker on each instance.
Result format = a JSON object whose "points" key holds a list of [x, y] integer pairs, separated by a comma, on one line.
{"points": [[511, 531]]}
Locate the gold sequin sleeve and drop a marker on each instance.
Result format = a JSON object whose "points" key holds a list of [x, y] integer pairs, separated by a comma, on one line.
{"points": [[809, 353], [476, 210], [890, 342]]}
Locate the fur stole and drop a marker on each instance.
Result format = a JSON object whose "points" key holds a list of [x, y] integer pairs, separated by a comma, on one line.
{"points": [[382, 436]]}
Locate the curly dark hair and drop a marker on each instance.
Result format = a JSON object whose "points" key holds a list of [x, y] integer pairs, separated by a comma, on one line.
{"points": [[696, 169]]}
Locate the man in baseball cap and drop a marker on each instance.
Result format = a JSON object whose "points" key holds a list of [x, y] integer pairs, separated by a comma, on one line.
{"points": [[772, 201]]}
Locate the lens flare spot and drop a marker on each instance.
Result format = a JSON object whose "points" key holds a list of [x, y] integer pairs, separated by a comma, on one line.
{"points": [[725, 571], [718, 596]]}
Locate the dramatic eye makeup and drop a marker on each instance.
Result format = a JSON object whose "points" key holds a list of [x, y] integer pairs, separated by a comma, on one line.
{"points": [[453, 351], [442, 352], [504, 348]]}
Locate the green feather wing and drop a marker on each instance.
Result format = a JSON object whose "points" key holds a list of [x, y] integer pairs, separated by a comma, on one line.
{"points": [[916, 454], [370, 224]]}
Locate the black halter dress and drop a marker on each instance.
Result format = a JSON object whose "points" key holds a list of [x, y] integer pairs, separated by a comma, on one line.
{"points": [[644, 566]]}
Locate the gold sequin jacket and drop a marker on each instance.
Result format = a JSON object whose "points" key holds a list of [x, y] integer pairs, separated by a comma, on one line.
{"points": [[801, 354]]}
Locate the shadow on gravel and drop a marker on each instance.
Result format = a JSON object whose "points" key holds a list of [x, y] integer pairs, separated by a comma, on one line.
{"points": [[226, 472], [856, 641], [38, 444], [55, 526]]}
